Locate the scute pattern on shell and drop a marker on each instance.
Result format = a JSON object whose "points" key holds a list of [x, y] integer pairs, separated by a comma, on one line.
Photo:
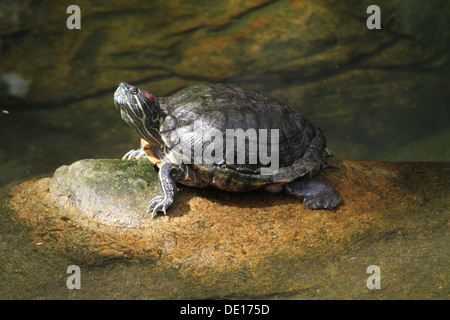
{"points": [[222, 106]]}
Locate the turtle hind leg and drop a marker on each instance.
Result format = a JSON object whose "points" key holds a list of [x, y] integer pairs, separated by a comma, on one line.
{"points": [[315, 194]]}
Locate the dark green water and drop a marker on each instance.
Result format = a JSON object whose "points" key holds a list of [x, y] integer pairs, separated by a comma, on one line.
{"points": [[377, 94]]}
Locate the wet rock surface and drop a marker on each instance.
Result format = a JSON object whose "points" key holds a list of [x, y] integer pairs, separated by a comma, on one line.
{"points": [[214, 244]]}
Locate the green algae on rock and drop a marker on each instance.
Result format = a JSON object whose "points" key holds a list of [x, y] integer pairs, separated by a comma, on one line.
{"points": [[97, 188]]}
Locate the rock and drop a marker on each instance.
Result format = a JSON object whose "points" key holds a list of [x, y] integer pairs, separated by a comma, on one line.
{"points": [[214, 244], [96, 189]]}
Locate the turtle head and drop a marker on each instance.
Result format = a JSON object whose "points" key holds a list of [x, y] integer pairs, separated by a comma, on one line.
{"points": [[140, 109]]}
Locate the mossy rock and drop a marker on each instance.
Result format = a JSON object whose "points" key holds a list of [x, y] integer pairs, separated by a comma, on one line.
{"points": [[99, 209], [113, 192]]}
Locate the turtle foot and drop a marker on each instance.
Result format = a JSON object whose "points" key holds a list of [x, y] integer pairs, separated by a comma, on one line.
{"points": [[322, 202], [134, 154], [315, 194], [158, 203]]}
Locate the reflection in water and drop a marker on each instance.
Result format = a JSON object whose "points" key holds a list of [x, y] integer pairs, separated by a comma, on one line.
{"points": [[377, 94], [17, 85]]}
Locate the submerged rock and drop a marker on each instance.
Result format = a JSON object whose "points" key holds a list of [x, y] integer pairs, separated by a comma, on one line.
{"points": [[216, 244]]}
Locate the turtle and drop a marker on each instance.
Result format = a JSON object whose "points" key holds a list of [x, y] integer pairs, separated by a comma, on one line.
{"points": [[184, 134]]}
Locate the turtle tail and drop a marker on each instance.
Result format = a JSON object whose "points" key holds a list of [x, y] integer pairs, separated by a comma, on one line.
{"points": [[325, 163]]}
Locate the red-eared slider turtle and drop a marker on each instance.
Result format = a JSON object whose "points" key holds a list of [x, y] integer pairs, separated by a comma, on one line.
{"points": [[209, 135]]}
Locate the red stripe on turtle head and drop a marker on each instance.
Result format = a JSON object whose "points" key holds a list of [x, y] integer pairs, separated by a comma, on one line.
{"points": [[149, 96]]}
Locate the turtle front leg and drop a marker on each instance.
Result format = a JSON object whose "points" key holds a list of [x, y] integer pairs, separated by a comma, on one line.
{"points": [[168, 174], [315, 194], [138, 153]]}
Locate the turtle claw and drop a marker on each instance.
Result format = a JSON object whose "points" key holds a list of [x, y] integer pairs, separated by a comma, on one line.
{"points": [[134, 154], [323, 201], [158, 203]]}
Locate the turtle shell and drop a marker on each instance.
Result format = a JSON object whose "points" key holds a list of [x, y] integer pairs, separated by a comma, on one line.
{"points": [[196, 112]]}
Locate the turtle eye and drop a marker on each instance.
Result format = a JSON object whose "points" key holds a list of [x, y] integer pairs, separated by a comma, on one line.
{"points": [[134, 90]]}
